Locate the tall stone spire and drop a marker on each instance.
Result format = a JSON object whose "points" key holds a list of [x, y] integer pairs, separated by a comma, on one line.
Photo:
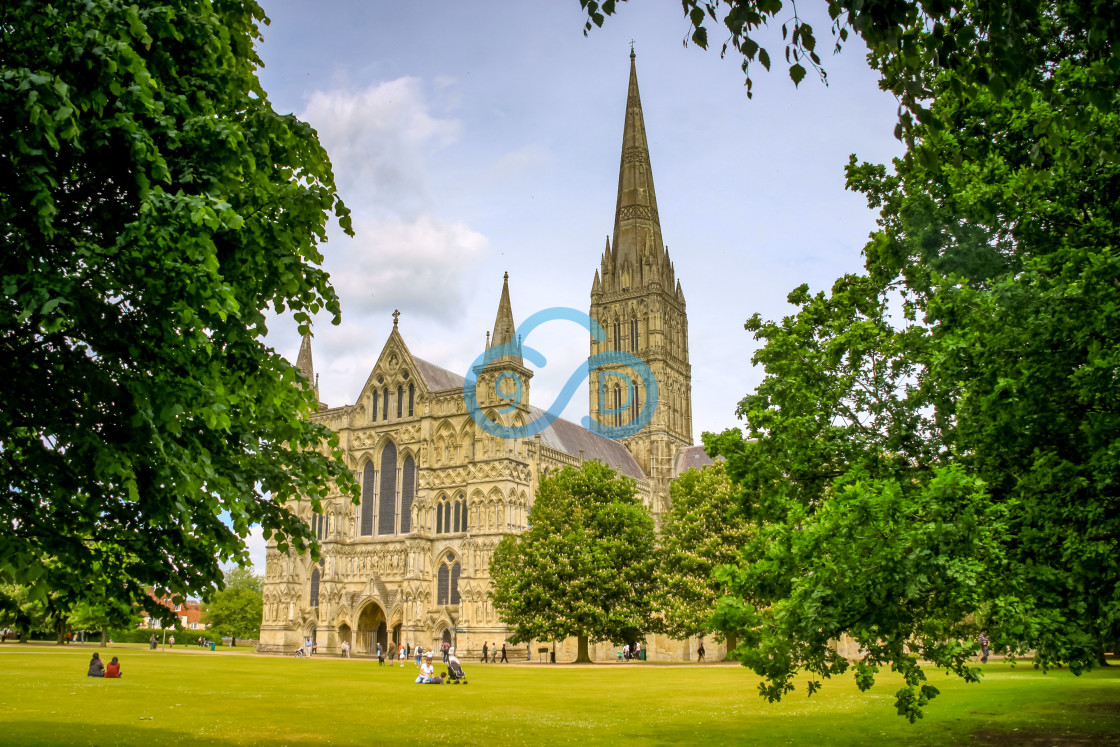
{"points": [[638, 301], [505, 330], [637, 227]]}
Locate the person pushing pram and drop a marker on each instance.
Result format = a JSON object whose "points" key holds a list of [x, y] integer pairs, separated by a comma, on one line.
{"points": [[455, 669]]}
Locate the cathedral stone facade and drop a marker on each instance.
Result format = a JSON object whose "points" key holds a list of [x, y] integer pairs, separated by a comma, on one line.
{"points": [[410, 563]]}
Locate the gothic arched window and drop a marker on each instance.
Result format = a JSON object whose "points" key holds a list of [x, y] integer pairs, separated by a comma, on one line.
{"points": [[408, 490], [447, 581], [617, 335], [461, 514], [369, 477], [411, 398], [455, 569], [314, 601], [373, 410], [385, 403], [386, 509], [400, 401], [634, 335], [443, 584]]}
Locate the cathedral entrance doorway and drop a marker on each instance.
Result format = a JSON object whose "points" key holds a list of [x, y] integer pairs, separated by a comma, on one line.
{"points": [[344, 633], [370, 630], [397, 634]]}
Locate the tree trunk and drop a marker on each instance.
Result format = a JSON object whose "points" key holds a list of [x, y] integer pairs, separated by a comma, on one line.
{"points": [[732, 642], [1101, 658], [104, 637], [60, 632], [582, 657]]}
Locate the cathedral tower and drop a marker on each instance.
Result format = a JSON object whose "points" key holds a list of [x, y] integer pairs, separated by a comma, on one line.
{"points": [[639, 302]]}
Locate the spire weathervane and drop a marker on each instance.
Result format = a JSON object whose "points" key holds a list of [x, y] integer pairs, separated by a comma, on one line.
{"points": [[631, 48]]}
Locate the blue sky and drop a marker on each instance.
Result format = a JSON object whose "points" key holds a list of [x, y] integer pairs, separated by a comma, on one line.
{"points": [[473, 139]]}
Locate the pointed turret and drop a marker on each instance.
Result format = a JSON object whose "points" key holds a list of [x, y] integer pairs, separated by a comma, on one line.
{"points": [[305, 365], [505, 330], [637, 227]]}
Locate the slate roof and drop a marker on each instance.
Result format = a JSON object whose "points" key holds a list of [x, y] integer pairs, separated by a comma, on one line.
{"points": [[570, 438], [437, 379], [562, 435], [689, 457]]}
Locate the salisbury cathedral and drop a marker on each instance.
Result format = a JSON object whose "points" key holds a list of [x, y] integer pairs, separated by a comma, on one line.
{"points": [[410, 563]]}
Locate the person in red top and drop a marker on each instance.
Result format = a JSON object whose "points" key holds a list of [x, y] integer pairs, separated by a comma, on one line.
{"points": [[114, 669]]}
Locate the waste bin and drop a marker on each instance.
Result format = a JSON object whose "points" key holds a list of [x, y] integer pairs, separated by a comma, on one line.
{"points": [[211, 645], [643, 654]]}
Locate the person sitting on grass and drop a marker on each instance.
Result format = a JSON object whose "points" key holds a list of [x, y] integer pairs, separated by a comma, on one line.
{"points": [[96, 667], [114, 669], [425, 677]]}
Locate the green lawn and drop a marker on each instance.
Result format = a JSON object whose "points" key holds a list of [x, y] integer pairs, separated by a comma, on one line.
{"points": [[193, 697]]}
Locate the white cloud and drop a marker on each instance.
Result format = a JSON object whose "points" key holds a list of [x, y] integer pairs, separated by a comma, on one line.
{"points": [[527, 159], [379, 140], [416, 265], [256, 544]]}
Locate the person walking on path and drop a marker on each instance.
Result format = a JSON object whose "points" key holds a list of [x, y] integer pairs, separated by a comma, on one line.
{"points": [[982, 639], [380, 655], [446, 648], [485, 652], [419, 653], [401, 654], [700, 652], [504, 655], [171, 641]]}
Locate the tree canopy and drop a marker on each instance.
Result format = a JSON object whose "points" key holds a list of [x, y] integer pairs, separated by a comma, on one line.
{"points": [[703, 530], [237, 609], [979, 45], [584, 568], [935, 445], [154, 206]]}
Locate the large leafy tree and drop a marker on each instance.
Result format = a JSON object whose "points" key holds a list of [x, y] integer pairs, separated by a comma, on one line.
{"points": [[153, 207], [704, 530], [585, 566], [938, 439], [103, 612], [237, 609]]}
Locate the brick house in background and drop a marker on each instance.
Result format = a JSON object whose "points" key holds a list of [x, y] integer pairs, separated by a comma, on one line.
{"points": [[188, 615]]}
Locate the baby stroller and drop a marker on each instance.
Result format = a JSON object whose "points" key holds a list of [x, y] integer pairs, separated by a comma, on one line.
{"points": [[455, 671]]}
